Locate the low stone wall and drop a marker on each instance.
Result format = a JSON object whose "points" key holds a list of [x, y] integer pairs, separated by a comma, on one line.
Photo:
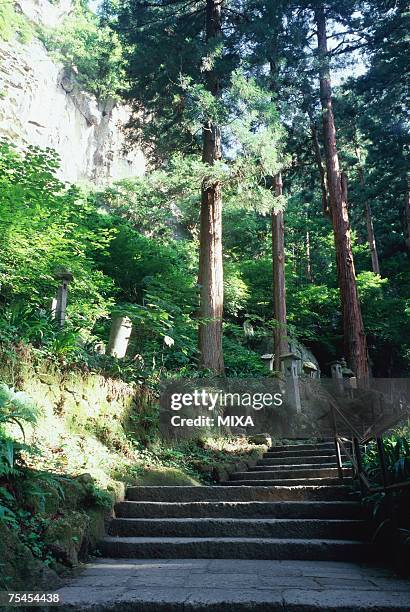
{"points": [[68, 399]]}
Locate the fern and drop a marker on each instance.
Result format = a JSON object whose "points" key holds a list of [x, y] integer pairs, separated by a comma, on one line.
{"points": [[16, 409]]}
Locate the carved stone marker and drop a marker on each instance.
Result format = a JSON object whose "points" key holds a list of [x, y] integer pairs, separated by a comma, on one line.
{"points": [[120, 334], [289, 363], [59, 305]]}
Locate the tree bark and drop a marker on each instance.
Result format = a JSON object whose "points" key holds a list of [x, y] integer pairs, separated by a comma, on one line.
{"points": [[407, 215], [210, 250], [353, 330], [279, 287], [322, 173], [371, 238], [309, 275]]}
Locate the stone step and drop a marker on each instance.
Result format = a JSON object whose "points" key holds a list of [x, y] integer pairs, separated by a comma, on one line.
{"points": [[318, 472], [267, 460], [249, 481], [289, 466], [230, 527], [232, 493], [307, 446], [241, 509], [299, 453], [234, 548], [237, 585]]}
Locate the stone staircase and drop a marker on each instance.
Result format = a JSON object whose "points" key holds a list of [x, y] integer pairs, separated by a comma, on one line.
{"points": [[286, 536], [290, 505]]}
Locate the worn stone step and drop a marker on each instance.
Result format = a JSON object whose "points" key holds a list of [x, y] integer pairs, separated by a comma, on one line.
{"points": [[232, 585], [298, 453], [249, 481], [232, 493], [241, 509], [267, 460], [230, 527], [309, 445], [289, 466], [234, 548], [264, 474]]}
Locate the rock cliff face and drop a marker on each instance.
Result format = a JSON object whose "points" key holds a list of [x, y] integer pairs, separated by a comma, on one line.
{"points": [[42, 105]]}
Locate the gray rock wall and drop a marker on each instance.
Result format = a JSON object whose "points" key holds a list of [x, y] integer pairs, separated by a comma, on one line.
{"points": [[42, 105]]}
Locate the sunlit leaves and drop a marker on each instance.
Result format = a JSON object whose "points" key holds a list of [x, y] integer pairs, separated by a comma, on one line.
{"points": [[44, 224], [91, 49]]}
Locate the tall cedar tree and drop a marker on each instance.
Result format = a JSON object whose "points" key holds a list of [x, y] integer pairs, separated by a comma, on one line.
{"points": [[210, 250], [265, 30], [281, 343], [279, 282], [174, 45], [353, 329], [371, 236]]}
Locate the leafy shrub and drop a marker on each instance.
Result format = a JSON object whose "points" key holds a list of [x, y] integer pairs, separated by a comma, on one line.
{"points": [[397, 454], [390, 516], [240, 361], [44, 225]]}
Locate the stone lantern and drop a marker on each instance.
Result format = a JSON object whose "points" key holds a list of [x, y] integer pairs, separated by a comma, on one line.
{"points": [[349, 378], [343, 375], [289, 363], [336, 369], [268, 359], [59, 304], [310, 369], [346, 372]]}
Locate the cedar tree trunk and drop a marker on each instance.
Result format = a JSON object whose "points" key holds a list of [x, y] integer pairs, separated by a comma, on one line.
{"points": [[210, 249], [371, 238], [279, 286], [322, 173], [353, 330], [407, 215]]}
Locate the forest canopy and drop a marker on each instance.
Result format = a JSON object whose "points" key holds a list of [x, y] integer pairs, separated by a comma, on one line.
{"points": [[231, 102]]}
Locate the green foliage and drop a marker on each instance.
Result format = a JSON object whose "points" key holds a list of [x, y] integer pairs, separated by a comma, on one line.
{"points": [[236, 292], [97, 498], [16, 409], [397, 454], [44, 225], [32, 500], [14, 24], [31, 531], [390, 516], [143, 202], [205, 460], [132, 247], [90, 48], [240, 360]]}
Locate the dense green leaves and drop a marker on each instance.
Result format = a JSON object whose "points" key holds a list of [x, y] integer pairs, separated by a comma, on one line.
{"points": [[133, 246], [44, 225], [14, 24], [90, 49]]}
